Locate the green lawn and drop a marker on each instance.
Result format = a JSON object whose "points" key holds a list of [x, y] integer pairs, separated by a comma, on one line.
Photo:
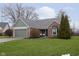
{"points": [[41, 46], [4, 37]]}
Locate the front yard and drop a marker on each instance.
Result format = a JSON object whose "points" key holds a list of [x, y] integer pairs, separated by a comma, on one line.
{"points": [[4, 37], [41, 47]]}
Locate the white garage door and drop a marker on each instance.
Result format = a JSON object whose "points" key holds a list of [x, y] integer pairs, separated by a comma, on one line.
{"points": [[20, 33]]}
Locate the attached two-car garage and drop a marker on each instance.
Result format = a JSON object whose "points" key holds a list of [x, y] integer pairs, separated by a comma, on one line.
{"points": [[22, 33]]}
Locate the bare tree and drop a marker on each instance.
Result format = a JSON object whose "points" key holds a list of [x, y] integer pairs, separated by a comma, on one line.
{"points": [[29, 14], [15, 12]]}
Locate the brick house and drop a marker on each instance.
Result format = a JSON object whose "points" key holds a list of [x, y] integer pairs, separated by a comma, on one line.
{"points": [[36, 28]]}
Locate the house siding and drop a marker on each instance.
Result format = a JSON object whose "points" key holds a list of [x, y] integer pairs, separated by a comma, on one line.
{"points": [[19, 23]]}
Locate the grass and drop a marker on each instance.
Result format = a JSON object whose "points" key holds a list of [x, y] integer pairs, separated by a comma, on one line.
{"points": [[40, 47], [4, 36]]}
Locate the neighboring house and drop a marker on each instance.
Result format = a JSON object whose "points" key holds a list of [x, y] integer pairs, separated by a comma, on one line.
{"points": [[0, 29], [28, 28], [3, 27]]}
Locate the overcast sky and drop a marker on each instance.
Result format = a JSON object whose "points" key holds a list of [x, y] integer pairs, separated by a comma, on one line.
{"points": [[50, 10]]}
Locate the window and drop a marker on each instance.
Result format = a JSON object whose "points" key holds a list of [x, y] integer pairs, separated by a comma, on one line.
{"points": [[54, 31]]}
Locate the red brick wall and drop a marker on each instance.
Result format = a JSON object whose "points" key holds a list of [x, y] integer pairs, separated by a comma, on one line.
{"points": [[54, 24], [34, 33], [50, 31]]}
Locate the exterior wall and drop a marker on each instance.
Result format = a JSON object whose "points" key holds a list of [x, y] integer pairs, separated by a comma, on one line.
{"points": [[34, 33], [19, 23], [28, 32], [54, 24], [50, 31]]}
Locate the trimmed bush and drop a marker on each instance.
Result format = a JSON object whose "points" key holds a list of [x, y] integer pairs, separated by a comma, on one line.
{"points": [[0, 34], [9, 32]]}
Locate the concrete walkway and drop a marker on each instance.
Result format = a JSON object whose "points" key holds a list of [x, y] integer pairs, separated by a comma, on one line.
{"points": [[7, 39]]}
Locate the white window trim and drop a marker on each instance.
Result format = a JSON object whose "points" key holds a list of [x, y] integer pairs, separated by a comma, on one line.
{"points": [[20, 27]]}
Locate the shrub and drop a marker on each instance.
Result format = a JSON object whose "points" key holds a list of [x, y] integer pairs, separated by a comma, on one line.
{"points": [[9, 32], [0, 34]]}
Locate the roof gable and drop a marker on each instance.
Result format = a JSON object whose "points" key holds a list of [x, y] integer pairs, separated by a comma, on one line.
{"points": [[19, 23], [54, 24]]}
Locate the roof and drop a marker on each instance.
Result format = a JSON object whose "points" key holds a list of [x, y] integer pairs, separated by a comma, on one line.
{"points": [[3, 24], [41, 24]]}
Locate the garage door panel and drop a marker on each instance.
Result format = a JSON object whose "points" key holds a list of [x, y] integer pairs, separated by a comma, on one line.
{"points": [[20, 33]]}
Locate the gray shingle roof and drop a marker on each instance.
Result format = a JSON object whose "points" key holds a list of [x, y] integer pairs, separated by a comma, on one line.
{"points": [[40, 24], [3, 24]]}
